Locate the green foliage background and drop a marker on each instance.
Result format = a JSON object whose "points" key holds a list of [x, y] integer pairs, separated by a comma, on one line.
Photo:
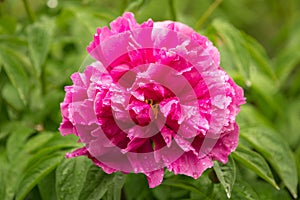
{"points": [[42, 44]]}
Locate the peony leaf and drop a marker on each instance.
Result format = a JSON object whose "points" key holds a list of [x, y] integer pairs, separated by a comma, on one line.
{"points": [[11, 97], [96, 184], [39, 38], [70, 177], [266, 191], [16, 141], [259, 57], [242, 190], [256, 163], [14, 68], [233, 40], [297, 155], [38, 141], [286, 63], [136, 5], [226, 174], [243, 49], [185, 185], [3, 171], [115, 189], [13, 159], [136, 187], [8, 24], [47, 187], [35, 167], [36, 172], [277, 152], [291, 123], [57, 142]]}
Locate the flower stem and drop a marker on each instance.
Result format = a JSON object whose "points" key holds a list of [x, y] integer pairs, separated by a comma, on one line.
{"points": [[172, 10], [29, 11], [207, 13]]}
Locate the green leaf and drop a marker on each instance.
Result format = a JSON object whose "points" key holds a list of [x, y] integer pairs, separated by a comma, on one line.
{"points": [[16, 158], [163, 192], [8, 24], [115, 189], [277, 152], [297, 156], [233, 40], [96, 184], [38, 141], [264, 97], [46, 157], [259, 56], [47, 187], [57, 141], [15, 70], [249, 114], [16, 141], [11, 97], [136, 187], [70, 177], [256, 163], [266, 191], [3, 171], [242, 190], [286, 62], [226, 175], [136, 5], [36, 172], [39, 38], [185, 185]]}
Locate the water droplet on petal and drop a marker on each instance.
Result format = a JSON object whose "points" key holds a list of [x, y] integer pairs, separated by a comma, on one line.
{"points": [[167, 140], [123, 151], [195, 174]]}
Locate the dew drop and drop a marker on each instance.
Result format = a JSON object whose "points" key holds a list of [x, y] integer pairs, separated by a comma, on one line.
{"points": [[167, 140], [206, 43], [195, 174], [228, 194], [135, 169]]}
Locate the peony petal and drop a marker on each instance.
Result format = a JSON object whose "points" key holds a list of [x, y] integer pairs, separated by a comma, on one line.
{"points": [[226, 144], [155, 177], [189, 164]]}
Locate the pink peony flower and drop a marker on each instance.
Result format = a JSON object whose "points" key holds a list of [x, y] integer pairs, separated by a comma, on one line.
{"points": [[155, 97]]}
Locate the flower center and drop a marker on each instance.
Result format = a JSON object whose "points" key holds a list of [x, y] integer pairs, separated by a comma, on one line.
{"points": [[154, 106]]}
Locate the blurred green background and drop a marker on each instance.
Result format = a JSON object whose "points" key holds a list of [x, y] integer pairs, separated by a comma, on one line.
{"points": [[43, 42]]}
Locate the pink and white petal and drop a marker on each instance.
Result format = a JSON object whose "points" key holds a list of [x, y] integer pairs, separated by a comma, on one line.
{"points": [[155, 177], [83, 112], [226, 144], [185, 144], [167, 135], [189, 164]]}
